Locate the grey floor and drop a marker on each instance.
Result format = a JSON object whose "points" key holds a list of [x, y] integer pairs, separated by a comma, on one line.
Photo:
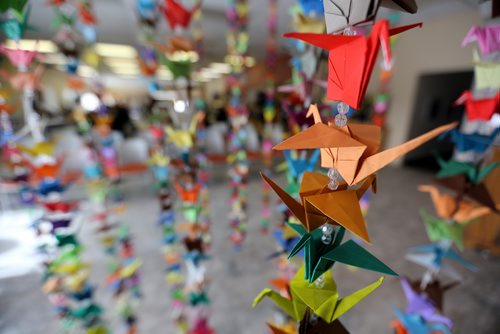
{"points": [[236, 278]]}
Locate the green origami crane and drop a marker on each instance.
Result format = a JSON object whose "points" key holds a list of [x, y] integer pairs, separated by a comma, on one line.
{"points": [[15, 23], [323, 300], [61, 19], [17, 5], [66, 239], [85, 312], [320, 257], [177, 68], [440, 229], [474, 173]]}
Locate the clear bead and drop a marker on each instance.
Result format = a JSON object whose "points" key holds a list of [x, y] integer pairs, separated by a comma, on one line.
{"points": [[341, 120], [313, 319], [333, 184], [349, 31], [320, 282], [326, 239], [327, 229], [342, 108]]}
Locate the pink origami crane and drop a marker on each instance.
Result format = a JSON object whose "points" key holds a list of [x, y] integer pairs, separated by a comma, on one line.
{"points": [[304, 88], [487, 38], [352, 58], [479, 109], [22, 59]]}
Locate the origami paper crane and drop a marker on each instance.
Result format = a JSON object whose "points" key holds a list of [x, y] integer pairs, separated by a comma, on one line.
{"points": [[311, 6], [474, 173], [304, 88], [184, 139], [322, 300], [298, 165], [63, 19], [420, 304], [415, 324], [24, 81], [85, 13], [487, 38], [353, 149], [352, 58], [176, 43], [22, 59], [178, 16], [449, 208], [465, 187], [286, 244], [342, 13], [441, 229], [432, 257], [479, 109], [201, 326], [321, 205], [486, 74], [15, 20], [284, 329], [179, 69], [433, 290], [471, 142]]}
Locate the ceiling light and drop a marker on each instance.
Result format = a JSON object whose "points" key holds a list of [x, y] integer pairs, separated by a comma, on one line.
{"points": [[221, 68], [179, 106], [86, 71], [43, 46], [89, 101], [115, 50]]}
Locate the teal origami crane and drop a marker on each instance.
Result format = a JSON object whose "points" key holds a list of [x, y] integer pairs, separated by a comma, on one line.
{"points": [[324, 211], [474, 173]]}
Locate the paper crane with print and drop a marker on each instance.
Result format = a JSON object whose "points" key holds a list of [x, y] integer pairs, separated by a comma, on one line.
{"points": [[487, 38], [178, 16], [21, 59], [471, 142], [352, 58], [323, 300], [479, 109], [340, 14], [321, 210], [352, 150]]}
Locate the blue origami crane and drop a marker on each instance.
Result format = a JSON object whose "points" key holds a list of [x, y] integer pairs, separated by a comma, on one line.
{"points": [[415, 324], [298, 165], [432, 257], [286, 244], [471, 142], [312, 7]]}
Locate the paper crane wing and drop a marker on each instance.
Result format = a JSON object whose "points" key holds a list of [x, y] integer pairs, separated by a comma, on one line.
{"points": [[376, 162], [351, 253], [486, 74], [295, 207], [293, 309], [479, 109]]}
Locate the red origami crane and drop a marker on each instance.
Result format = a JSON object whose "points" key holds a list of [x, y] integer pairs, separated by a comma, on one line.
{"points": [[177, 15], [352, 58], [480, 109]]}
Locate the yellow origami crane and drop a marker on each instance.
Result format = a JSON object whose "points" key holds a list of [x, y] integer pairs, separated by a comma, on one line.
{"points": [[353, 149], [184, 138], [323, 300], [41, 148], [309, 24]]}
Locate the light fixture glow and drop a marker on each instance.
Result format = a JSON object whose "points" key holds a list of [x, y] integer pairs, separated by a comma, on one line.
{"points": [[43, 46], [89, 101], [179, 106], [115, 50]]}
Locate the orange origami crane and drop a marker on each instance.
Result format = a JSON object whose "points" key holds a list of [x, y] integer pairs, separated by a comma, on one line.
{"points": [[353, 149], [321, 205], [24, 80], [174, 44], [177, 15], [352, 58], [480, 109], [447, 207]]}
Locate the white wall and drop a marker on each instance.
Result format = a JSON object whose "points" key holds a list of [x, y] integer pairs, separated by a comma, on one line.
{"points": [[433, 48]]}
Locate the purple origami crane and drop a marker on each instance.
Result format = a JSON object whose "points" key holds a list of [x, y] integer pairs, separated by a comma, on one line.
{"points": [[421, 305], [487, 38]]}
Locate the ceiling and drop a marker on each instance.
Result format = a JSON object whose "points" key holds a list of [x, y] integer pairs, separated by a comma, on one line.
{"points": [[117, 22]]}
